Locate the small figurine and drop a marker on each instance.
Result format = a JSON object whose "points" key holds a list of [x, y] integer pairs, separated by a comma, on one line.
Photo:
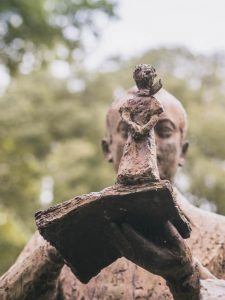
{"points": [[141, 113]]}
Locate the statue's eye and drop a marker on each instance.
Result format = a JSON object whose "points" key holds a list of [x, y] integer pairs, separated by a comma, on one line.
{"points": [[164, 129]]}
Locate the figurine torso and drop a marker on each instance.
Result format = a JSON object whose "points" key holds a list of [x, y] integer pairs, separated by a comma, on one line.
{"points": [[142, 108]]}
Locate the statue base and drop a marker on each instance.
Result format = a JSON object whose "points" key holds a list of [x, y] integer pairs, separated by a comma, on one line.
{"points": [[78, 228]]}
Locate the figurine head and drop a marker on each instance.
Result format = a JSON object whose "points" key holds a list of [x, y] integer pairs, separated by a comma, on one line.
{"points": [[170, 134], [144, 76]]}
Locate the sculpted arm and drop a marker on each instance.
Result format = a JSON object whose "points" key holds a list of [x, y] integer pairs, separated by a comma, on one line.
{"points": [[125, 114], [210, 287], [34, 274], [185, 276], [151, 124]]}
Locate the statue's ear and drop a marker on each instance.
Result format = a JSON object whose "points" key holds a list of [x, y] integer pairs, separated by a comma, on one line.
{"points": [[184, 150], [106, 150]]}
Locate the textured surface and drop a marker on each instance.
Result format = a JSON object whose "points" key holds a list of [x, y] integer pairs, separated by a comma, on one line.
{"points": [[140, 113], [34, 274], [125, 280], [77, 228]]}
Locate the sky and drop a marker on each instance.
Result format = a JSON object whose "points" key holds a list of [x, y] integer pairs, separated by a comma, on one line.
{"points": [[145, 24]]}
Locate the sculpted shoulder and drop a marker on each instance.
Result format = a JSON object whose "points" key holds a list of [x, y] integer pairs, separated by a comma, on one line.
{"points": [[207, 239], [200, 216]]}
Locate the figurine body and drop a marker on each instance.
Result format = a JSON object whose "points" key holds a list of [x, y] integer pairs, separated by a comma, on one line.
{"points": [[141, 113]]}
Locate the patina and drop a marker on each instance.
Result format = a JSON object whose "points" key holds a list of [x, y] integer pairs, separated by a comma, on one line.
{"points": [[139, 196]]}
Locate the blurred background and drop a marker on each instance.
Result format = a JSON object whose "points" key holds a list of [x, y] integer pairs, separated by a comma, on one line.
{"points": [[61, 64]]}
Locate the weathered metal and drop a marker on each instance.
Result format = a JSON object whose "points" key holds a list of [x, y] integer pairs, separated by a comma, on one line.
{"points": [[78, 227]]}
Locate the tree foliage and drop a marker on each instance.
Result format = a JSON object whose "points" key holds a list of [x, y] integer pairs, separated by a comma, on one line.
{"points": [[29, 29], [35, 117]]}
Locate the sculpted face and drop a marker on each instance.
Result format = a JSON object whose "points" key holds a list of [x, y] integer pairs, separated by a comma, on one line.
{"points": [[170, 134], [144, 75]]}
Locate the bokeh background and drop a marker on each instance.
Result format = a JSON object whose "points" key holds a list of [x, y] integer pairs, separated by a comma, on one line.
{"points": [[61, 64]]}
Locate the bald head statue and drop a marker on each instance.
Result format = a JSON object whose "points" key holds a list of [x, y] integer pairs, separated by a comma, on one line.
{"points": [[170, 134]]}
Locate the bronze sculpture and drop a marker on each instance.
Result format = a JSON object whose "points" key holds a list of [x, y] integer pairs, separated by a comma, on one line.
{"points": [[78, 228]]}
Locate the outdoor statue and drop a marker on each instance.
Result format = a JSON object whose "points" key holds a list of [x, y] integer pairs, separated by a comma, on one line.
{"points": [[78, 228], [152, 265]]}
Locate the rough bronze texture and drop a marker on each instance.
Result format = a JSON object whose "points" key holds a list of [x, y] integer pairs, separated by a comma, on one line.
{"points": [[140, 113], [78, 228]]}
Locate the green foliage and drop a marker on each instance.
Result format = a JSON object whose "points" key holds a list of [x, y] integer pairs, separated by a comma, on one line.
{"points": [[29, 29], [45, 131], [11, 229], [40, 120]]}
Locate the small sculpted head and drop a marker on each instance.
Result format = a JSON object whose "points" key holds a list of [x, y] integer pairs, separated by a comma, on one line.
{"points": [[144, 75], [170, 134]]}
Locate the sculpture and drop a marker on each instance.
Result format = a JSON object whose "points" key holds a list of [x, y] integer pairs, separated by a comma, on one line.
{"points": [[78, 228]]}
